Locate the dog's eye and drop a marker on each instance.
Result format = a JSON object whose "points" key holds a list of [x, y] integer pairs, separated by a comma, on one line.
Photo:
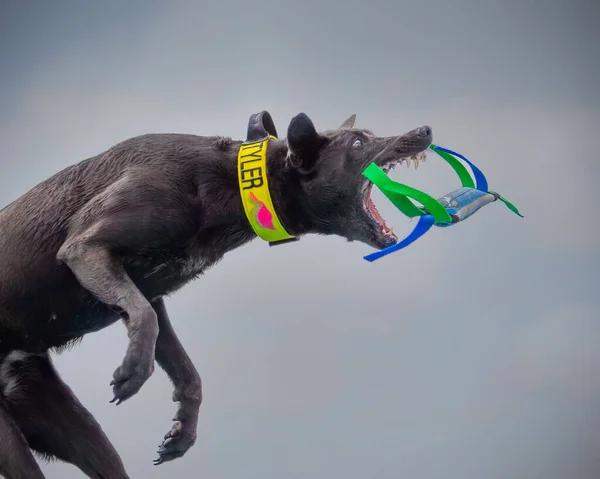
{"points": [[357, 144]]}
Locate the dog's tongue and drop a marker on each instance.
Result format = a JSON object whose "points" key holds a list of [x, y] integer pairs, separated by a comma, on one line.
{"points": [[376, 215]]}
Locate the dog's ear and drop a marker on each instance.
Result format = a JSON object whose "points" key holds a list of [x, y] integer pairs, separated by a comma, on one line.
{"points": [[260, 125], [304, 142], [349, 123]]}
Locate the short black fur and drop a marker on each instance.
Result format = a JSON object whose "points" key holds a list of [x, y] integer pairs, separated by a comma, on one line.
{"points": [[110, 237]]}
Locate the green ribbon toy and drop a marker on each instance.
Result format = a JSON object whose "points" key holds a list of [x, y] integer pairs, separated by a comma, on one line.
{"points": [[448, 210]]}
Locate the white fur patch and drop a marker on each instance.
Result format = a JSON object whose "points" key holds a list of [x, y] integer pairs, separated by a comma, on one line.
{"points": [[15, 356], [192, 266], [9, 381]]}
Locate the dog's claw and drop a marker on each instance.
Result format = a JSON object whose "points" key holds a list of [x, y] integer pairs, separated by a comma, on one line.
{"points": [[176, 443], [130, 376]]}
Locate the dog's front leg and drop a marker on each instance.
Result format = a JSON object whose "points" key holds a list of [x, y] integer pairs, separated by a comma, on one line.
{"points": [[172, 358], [141, 212], [104, 276]]}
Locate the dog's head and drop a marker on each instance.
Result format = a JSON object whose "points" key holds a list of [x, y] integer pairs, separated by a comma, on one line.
{"points": [[333, 197]]}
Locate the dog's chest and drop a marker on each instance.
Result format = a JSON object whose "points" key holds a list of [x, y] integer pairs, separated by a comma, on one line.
{"points": [[184, 266], [164, 274]]}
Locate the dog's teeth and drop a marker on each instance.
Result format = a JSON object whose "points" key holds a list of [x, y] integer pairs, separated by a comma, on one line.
{"points": [[407, 162], [416, 163]]}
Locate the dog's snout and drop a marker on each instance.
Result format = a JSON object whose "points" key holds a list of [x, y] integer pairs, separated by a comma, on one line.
{"points": [[424, 131]]}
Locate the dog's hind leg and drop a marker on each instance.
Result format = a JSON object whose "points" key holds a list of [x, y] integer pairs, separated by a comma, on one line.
{"points": [[16, 459], [173, 359], [54, 422]]}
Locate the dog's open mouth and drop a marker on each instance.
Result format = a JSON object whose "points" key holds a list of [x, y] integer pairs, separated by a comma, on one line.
{"points": [[386, 234]]}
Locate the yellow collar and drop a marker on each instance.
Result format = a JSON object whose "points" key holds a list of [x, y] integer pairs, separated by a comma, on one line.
{"points": [[254, 190]]}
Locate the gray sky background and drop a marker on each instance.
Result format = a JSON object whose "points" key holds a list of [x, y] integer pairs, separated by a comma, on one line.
{"points": [[472, 354]]}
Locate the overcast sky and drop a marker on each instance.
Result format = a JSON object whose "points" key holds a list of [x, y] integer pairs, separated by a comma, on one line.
{"points": [[473, 354]]}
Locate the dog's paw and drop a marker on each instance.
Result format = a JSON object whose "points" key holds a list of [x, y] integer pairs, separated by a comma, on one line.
{"points": [[177, 442], [130, 377]]}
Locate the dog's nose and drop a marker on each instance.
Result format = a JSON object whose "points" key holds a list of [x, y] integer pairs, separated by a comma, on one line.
{"points": [[424, 131]]}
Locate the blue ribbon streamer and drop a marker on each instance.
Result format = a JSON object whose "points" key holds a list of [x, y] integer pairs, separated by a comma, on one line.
{"points": [[424, 224]]}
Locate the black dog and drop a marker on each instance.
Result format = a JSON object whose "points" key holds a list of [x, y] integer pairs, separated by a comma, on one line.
{"points": [[109, 237]]}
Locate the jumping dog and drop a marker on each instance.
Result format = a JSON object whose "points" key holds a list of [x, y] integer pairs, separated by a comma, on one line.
{"points": [[108, 238]]}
